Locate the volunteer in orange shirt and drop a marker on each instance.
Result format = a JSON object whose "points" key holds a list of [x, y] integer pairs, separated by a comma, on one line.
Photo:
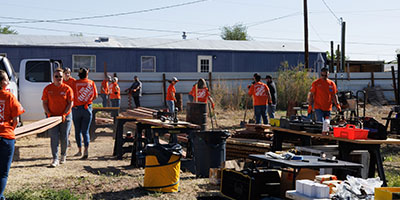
{"points": [[57, 100], [261, 98], [84, 93], [115, 93], [104, 92], [10, 109], [202, 92], [322, 93], [67, 77], [171, 95]]}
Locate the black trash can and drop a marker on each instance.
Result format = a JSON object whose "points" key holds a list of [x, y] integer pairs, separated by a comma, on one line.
{"points": [[209, 150]]}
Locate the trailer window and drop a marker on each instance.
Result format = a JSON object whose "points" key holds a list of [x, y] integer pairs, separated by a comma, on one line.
{"points": [[38, 71], [83, 61], [148, 63]]}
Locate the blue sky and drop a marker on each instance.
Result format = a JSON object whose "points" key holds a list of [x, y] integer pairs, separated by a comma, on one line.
{"points": [[372, 31]]}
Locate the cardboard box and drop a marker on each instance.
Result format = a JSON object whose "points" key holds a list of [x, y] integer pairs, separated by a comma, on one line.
{"points": [[215, 176], [287, 178]]}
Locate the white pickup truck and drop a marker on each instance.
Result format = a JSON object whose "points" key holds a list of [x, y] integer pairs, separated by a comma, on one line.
{"points": [[34, 75]]}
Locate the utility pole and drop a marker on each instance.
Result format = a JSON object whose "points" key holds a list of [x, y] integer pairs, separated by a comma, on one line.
{"points": [[332, 59], [342, 57], [398, 78], [306, 61]]}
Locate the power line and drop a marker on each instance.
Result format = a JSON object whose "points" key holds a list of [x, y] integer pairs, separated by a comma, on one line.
{"points": [[108, 15], [330, 10]]}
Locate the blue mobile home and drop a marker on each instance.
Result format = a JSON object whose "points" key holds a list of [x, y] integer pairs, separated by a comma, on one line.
{"points": [[156, 55]]}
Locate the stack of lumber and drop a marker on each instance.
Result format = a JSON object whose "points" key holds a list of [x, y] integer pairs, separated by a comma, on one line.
{"points": [[237, 148], [141, 112], [255, 131], [103, 121], [37, 127], [241, 148]]}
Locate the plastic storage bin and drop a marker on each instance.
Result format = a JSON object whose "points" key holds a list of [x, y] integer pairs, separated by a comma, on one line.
{"points": [[350, 132]]}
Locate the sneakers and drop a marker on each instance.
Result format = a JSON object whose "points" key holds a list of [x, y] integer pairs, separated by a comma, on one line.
{"points": [[63, 159], [55, 163], [78, 154]]}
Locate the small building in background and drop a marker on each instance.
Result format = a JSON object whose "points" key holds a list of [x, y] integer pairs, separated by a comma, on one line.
{"points": [[363, 66], [156, 55]]}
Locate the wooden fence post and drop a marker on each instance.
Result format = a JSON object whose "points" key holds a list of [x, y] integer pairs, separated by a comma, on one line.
{"points": [[372, 79], [164, 89], [394, 85], [210, 80]]}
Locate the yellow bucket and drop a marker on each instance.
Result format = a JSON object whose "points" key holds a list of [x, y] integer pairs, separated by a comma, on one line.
{"points": [[274, 122]]}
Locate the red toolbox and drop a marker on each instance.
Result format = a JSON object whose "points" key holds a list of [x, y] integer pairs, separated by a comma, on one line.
{"points": [[350, 132]]}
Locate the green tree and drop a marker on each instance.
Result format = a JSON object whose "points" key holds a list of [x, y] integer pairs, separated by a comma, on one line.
{"points": [[7, 30], [235, 32]]}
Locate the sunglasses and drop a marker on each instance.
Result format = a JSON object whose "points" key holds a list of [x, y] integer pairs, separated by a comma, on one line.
{"points": [[56, 76]]}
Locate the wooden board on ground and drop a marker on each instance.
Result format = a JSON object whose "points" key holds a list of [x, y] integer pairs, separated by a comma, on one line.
{"points": [[37, 127]]}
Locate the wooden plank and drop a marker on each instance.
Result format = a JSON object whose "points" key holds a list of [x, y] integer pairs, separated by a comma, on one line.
{"points": [[250, 142], [157, 122], [105, 108], [143, 111], [139, 114], [40, 130], [148, 109], [264, 126], [36, 125]]}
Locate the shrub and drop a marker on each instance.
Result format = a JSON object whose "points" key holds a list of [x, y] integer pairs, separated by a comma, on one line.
{"points": [[230, 97], [293, 84], [45, 194]]}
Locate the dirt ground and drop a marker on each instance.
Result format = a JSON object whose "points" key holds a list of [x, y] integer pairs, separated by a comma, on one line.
{"points": [[104, 177]]}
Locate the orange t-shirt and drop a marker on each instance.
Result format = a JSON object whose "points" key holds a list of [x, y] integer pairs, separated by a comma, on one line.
{"points": [[192, 92], [9, 108], [115, 91], [259, 91], [58, 98], [70, 82], [323, 93], [104, 87], [84, 92], [202, 95], [171, 91]]}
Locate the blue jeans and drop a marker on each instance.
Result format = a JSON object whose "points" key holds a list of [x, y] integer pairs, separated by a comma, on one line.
{"points": [[115, 102], [261, 111], [271, 110], [321, 115], [105, 99], [171, 106], [82, 119], [59, 134], [6, 156]]}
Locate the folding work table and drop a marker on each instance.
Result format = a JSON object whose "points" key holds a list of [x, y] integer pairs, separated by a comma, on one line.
{"points": [[312, 162], [346, 146]]}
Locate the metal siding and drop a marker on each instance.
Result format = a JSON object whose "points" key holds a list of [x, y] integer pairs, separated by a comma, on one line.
{"points": [[129, 60]]}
